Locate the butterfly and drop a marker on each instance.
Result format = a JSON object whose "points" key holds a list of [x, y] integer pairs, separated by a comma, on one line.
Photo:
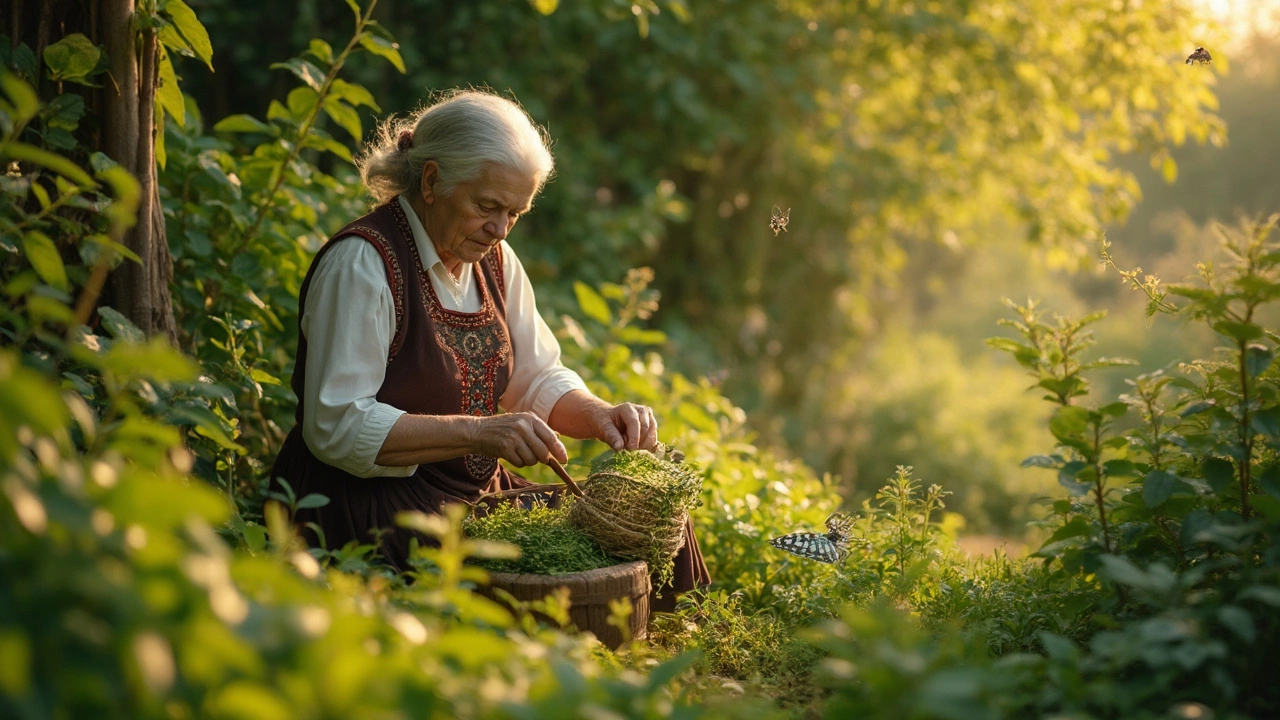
{"points": [[778, 223], [829, 547], [1200, 56]]}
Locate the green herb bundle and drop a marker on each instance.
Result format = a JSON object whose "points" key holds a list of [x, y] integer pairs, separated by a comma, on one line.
{"points": [[637, 505], [549, 544]]}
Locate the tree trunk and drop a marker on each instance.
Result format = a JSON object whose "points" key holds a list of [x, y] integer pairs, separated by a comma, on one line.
{"points": [[140, 292], [126, 106]]}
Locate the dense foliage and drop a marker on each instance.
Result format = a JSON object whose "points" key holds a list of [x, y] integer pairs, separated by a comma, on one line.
{"points": [[890, 128], [141, 580]]}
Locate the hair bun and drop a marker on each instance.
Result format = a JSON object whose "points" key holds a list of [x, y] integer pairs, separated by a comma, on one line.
{"points": [[405, 141]]}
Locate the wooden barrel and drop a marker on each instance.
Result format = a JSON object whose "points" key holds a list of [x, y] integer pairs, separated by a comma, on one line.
{"points": [[589, 595]]}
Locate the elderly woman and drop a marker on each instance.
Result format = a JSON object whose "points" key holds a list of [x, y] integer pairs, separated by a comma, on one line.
{"points": [[418, 323]]}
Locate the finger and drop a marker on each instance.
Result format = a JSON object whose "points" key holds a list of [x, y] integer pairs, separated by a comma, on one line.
{"points": [[631, 419], [534, 446], [609, 433], [551, 441], [649, 438]]}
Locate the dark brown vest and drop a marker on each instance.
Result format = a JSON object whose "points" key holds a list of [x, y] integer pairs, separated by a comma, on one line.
{"points": [[441, 362]]}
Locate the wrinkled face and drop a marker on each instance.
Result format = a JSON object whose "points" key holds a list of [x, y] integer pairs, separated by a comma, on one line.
{"points": [[472, 219]]}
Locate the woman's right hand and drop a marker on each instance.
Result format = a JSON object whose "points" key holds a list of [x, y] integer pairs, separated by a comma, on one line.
{"points": [[521, 439]]}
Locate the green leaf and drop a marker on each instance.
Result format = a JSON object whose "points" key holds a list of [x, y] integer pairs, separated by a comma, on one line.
{"points": [[313, 500], [124, 208], [383, 48], [300, 101], [1219, 473], [1042, 461], [345, 116], [1269, 481], [15, 671], [52, 161], [1266, 594], [355, 94], [184, 19], [1238, 621], [321, 50], [158, 149], [1058, 647], [1119, 467], [1242, 332], [156, 360], [591, 304], [264, 377], [317, 142], [305, 71], [120, 327], [671, 669], [255, 537], [1158, 486], [72, 58], [241, 123], [65, 111], [1197, 407], [1078, 526], [1123, 571], [1069, 422], [206, 423], [546, 7], [1257, 358], [640, 336], [355, 8], [1266, 422], [1115, 409], [24, 99], [43, 256], [168, 94]]}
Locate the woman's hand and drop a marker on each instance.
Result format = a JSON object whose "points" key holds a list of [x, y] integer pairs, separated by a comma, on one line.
{"points": [[626, 426], [521, 439]]}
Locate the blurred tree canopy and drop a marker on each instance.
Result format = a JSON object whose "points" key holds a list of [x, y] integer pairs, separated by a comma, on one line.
{"points": [[881, 124]]}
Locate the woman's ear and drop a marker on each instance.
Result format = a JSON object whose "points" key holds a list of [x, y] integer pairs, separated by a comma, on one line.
{"points": [[430, 176]]}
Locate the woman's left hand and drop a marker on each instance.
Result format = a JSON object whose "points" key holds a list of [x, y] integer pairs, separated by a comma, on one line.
{"points": [[627, 426]]}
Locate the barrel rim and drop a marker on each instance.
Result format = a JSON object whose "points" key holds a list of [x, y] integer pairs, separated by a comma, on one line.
{"points": [[623, 568]]}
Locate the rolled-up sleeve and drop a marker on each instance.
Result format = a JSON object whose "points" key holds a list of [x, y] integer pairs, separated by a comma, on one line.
{"points": [[538, 380], [348, 323]]}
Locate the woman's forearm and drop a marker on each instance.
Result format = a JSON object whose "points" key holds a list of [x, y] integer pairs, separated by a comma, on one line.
{"points": [[577, 414], [420, 439]]}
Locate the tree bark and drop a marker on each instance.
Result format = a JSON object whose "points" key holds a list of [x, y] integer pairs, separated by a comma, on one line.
{"points": [[140, 292]]}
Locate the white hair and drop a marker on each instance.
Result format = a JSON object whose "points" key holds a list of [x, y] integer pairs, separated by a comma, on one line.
{"points": [[462, 132]]}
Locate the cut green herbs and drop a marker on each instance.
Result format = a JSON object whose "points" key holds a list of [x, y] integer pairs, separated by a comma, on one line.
{"points": [[548, 544], [637, 505]]}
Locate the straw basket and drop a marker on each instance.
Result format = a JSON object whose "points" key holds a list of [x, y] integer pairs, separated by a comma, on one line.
{"points": [[590, 592]]}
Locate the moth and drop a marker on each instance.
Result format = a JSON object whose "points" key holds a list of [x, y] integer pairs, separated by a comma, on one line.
{"points": [[778, 223], [831, 546], [1200, 56]]}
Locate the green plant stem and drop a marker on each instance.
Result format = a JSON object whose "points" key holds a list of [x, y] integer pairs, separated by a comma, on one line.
{"points": [[305, 128], [1246, 435], [1097, 487]]}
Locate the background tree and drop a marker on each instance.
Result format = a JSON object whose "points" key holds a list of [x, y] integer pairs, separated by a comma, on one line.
{"points": [[109, 60]]}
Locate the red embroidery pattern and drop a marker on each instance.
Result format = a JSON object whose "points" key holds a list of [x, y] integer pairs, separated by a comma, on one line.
{"points": [[477, 342], [395, 277]]}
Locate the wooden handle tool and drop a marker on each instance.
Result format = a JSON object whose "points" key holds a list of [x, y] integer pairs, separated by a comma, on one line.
{"points": [[573, 486]]}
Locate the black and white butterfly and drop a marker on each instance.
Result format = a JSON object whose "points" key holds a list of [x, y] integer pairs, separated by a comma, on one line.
{"points": [[829, 547], [778, 222]]}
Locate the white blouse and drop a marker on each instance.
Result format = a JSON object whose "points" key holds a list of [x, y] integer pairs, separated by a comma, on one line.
{"points": [[349, 321]]}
